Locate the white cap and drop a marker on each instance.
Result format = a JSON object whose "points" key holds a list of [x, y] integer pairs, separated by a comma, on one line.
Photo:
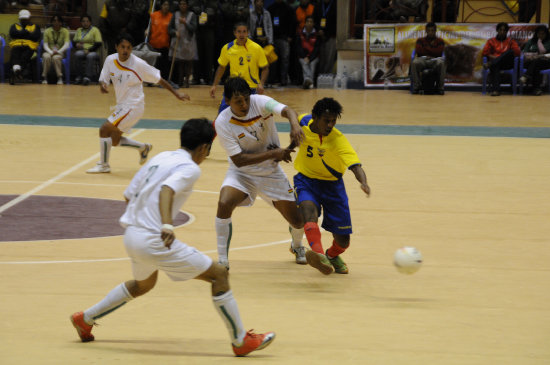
{"points": [[24, 14]]}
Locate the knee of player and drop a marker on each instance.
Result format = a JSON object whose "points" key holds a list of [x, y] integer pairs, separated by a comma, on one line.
{"points": [[343, 240], [225, 208]]}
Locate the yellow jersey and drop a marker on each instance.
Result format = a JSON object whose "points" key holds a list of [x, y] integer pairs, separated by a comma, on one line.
{"points": [[244, 61], [324, 157]]}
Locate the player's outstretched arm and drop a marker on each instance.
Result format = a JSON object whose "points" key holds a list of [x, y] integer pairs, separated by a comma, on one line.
{"points": [[296, 133], [181, 96], [361, 177]]}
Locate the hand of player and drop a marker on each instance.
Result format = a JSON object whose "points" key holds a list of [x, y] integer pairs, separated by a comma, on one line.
{"points": [[282, 154], [365, 187], [167, 236], [260, 89], [103, 88], [213, 91], [182, 96], [296, 135]]}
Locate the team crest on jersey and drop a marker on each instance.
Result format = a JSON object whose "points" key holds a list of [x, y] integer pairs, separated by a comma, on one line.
{"points": [[112, 74], [241, 135], [321, 152], [248, 58]]}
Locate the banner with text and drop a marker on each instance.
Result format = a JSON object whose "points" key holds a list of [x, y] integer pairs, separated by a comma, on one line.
{"points": [[388, 50]]}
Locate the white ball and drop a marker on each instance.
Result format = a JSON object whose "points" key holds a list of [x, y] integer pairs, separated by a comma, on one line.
{"points": [[407, 260]]}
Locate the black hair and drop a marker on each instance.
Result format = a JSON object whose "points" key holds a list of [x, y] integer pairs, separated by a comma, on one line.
{"points": [[327, 105], [86, 16], [195, 132], [236, 86], [238, 24], [124, 37], [58, 16], [431, 25], [538, 29], [503, 24]]}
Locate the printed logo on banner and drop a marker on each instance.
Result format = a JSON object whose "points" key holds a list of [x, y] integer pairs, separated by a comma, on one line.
{"points": [[381, 40]]}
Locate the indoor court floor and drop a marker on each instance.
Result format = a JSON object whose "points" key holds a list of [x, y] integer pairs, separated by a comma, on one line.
{"points": [[464, 178]]}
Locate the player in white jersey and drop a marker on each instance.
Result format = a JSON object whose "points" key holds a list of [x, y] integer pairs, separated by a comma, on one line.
{"points": [[154, 198], [127, 73], [247, 132]]}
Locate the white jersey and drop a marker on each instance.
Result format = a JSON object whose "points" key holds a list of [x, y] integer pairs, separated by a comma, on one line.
{"points": [[174, 169], [250, 134], [128, 78]]}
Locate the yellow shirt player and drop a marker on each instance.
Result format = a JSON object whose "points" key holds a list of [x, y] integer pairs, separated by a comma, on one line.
{"points": [[324, 155], [246, 59]]}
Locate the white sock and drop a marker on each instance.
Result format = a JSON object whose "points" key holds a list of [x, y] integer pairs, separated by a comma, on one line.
{"points": [[16, 68], [224, 228], [105, 145], [115, 299], [227, 308], [297, 235], [127, 142]]}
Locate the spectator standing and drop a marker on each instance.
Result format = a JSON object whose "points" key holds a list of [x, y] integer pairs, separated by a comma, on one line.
{"points": [[284, 20], [159, 36], [56, 43], [500, 52], [183, 27], [86, 41], [232, 12], [304, 10], [429, 55], [325, 20], [25, 37], [537, 57], [260, 24], [308, 52], [207, 14]]}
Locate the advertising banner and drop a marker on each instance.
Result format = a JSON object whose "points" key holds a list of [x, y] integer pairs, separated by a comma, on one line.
{"points": [[388, 50]]}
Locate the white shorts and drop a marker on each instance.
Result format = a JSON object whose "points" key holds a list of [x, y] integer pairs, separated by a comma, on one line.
{"points": [[124, 117], [148, 254], [270, 188]]}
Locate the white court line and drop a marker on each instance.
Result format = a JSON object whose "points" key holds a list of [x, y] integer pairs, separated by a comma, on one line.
{"points": [[125, 258], [45, 184], [85, 184]]}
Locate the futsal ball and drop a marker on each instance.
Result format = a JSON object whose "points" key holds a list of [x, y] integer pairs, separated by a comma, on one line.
{"points": [[407, 260]]}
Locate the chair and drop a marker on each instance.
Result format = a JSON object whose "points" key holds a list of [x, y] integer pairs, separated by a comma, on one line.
{"points": [[513, 73], [66, 61], [523, 71], [2, 46], [410, 75]]}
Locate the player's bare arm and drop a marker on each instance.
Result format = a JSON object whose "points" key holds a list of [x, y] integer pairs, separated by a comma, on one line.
{"points": [[263, 79], [181, 96], [361, 177], [219, 73], [277, 154], [166, 198], [296, 133]]}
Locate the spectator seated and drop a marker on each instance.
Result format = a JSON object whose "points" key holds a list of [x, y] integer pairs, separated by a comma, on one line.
{"points": [[513, 72]]}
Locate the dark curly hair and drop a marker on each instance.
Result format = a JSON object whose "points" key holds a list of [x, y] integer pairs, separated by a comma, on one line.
{"points": [[327, 105]]}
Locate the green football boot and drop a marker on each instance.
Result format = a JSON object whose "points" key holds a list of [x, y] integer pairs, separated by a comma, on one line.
{"points": [[339, 265]]}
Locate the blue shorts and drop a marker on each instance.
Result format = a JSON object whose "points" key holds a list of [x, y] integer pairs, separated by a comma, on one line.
{"points": [[330, 196], [223, 104]]}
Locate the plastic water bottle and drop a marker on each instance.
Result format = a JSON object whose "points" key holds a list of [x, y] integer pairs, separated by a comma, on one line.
{"points": [[344, 78], [338, 82]]}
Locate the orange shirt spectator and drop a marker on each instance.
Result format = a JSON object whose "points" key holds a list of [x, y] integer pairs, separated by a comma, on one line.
{"points": [[302, 12], [160, 38]]}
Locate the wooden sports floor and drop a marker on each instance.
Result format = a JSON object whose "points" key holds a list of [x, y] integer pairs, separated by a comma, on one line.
{"points": [[464, 178]]}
